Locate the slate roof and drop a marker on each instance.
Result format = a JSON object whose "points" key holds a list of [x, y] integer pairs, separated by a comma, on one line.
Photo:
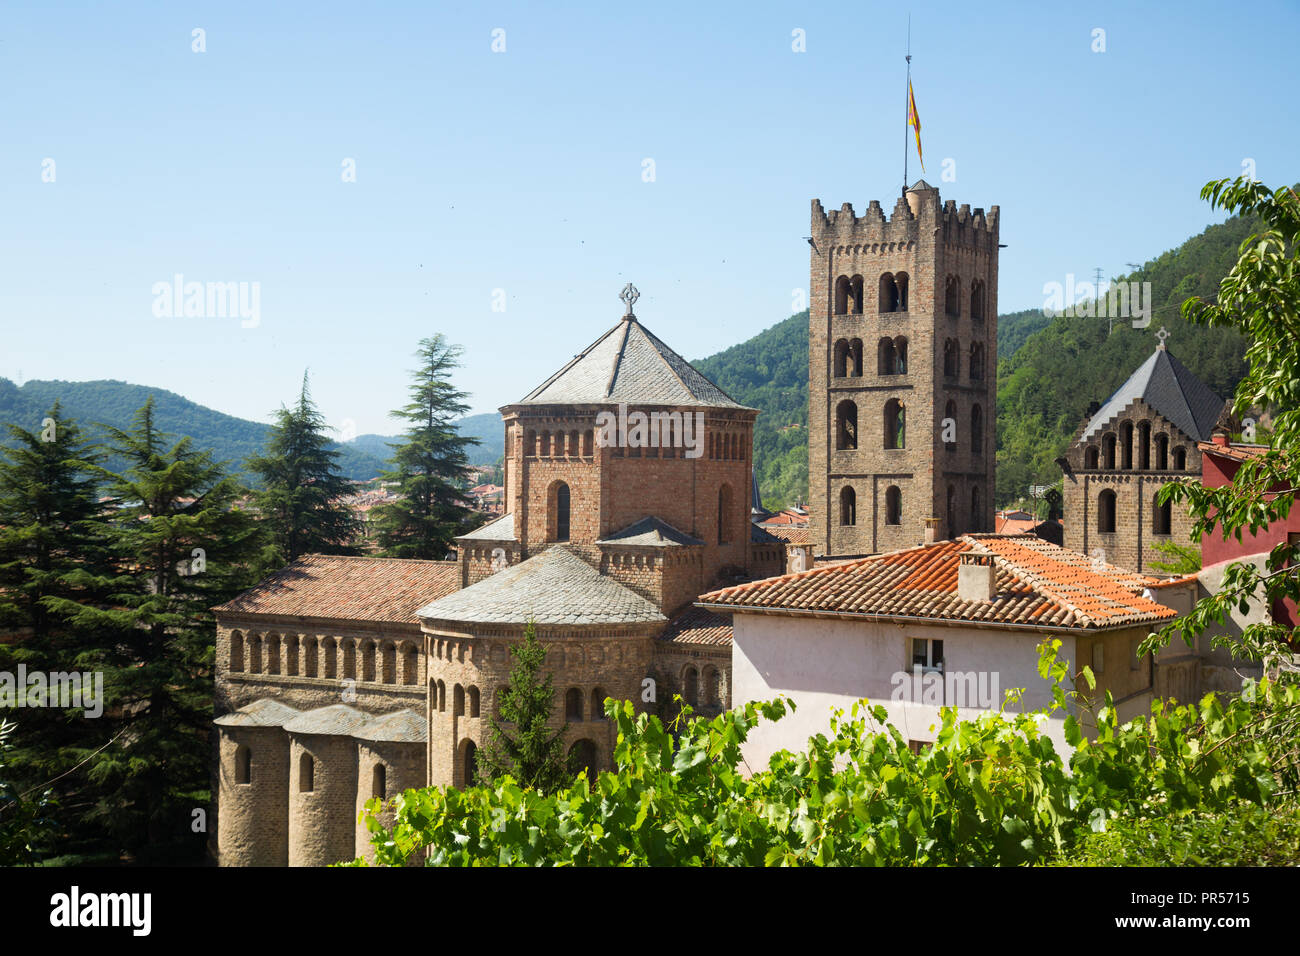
{"points": [[1168, 386], [336, 719], [697, 626], [651, 532], [403, 726], [1038, 584], [267, 712], [554, 587], [629, 364], [386, 590], [502, 529]]}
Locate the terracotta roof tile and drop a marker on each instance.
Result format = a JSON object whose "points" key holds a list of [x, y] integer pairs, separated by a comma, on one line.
{"points": [[1038, 583], [695, 625], [357, 588]]}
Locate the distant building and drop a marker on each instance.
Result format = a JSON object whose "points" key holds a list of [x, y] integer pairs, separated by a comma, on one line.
{"points": [[1145, 435]]}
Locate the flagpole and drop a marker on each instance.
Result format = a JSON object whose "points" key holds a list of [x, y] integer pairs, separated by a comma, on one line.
{"points": [[907, 103]]}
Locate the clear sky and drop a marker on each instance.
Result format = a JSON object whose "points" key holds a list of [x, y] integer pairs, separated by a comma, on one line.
{"points": [[524, 170]]}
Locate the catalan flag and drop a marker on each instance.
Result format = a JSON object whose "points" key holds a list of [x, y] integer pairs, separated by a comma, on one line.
{"points": [[914, 120]]}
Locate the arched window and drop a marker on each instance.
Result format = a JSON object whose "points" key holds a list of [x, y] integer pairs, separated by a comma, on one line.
{"points": [[458, 701], [885, 359], [951, 358], [841, 366], [1126, 430], [306, 773], [588, 443], [388, 663], [712, 687], [1162, 516], [976, 510], [328, 649], [471, 763], [236, 651], [855, 353], [848, 506], [573, 704], [1144, 445], [598, 703], [410, 664], [1162, 452], [691, 686], [1108, 450], [900, 354], [1091, 457], [855, 293], [893, 505], [948, 431], [530, 443], [442, 696], [846, 426], [243, 764], [582, 758], [255, 653], [379, 782], [1106, 512], [473, 698], [901, 281], [560, 510], [977, 429], [889, 297], [1180, 458], [309, 656], [977, 300], [544, 445], [977, 361], [842, 295], [368, 660], [726, 518], [895, 424], [952, 297], [952, 512]]}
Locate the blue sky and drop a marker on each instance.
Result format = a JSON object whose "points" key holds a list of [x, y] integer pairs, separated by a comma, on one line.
{"points": [[522, 170]]}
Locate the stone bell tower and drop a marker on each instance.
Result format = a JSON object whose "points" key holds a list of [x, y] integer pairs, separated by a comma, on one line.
{"points": [[901, 369]]}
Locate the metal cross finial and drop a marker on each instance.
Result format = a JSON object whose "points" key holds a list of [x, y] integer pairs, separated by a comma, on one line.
{"points": [[629, 295], [1162, 335]]}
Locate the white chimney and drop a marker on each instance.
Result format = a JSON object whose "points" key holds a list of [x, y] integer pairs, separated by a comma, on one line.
{"points": [[977, 578], [931, 530]]}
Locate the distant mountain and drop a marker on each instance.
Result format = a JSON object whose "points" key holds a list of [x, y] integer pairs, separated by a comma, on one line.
{"points": [[231, 439]]}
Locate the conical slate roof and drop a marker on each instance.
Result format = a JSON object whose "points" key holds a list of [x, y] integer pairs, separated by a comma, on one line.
{"points": [[554, 587], [629, 364], [1168, 386]]}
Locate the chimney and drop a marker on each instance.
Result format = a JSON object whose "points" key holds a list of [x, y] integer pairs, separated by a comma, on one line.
{"points": [[976, 577], [798, 557], [931, 530], [1220, 437]]}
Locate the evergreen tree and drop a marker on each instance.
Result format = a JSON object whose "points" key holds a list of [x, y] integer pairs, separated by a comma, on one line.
{"points": [[430, 466], [56, 575], [528, 749], [190, 548], [301, 487]]}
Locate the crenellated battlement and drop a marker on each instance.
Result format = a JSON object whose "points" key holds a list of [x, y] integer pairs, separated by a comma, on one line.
{"points": [[919, 213]]}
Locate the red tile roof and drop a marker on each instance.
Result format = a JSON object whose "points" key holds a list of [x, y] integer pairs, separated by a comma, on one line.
{"points": [[1235, 450], [698, 626], [1039, 584], [788, 533], [353, 588]]}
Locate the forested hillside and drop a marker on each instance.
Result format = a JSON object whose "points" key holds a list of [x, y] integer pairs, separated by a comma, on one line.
{"points": [[1045, 387], [231, 439], [770, 372]]}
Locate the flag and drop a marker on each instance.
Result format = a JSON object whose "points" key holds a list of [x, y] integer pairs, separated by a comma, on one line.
{"points": [[914, 120]]}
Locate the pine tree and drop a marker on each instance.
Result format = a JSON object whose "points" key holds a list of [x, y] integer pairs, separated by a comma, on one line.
{"points": [[190, 547], [528, 749], [301, 487], [430, 466], [56, 575]]}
